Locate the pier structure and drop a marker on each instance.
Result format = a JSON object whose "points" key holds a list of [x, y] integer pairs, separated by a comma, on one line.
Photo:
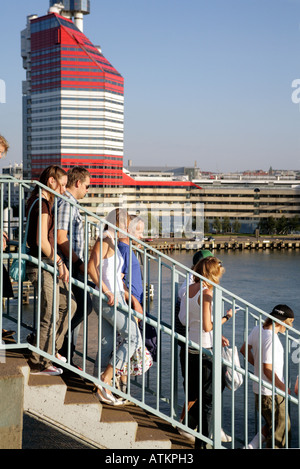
{"points": [[230, 244]]}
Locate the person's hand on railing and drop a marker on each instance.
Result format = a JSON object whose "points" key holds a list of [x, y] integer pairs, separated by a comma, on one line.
{"points": [[110, 298], [63, 272]]}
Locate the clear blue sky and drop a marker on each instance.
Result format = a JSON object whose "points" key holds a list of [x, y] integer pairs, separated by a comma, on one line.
{"points": [[205, 80]]}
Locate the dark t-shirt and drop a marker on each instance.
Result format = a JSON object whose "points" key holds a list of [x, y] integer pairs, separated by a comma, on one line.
{"points": [[34, 225]]}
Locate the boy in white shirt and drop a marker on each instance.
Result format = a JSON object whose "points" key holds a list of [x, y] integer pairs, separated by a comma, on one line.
{"points": [[285, 315]]}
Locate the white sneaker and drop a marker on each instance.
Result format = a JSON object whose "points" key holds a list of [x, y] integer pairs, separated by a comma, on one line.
{"points": [[51, 371], [224, 437], [60, 357]]}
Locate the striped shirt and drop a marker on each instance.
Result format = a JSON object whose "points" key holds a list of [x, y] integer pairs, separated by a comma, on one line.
{"points": [[63, 223]]}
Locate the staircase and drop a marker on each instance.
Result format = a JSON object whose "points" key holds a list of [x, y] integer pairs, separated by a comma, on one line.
{"points": [[68, 403]]}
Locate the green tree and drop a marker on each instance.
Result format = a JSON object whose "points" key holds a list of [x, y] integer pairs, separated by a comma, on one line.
{"points": [[236, 226], [226, 225], [267, 225], [217, 225], [282, 225]]}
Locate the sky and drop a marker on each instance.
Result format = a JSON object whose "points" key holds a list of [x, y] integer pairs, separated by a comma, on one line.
{"points": [[211, 83]]}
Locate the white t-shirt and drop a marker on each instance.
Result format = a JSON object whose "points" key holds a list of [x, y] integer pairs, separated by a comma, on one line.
{"points": [[267, 336], [194, 320]]}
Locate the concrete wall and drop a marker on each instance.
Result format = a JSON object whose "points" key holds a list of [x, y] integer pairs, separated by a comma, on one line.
{"points": [[11, 405]]}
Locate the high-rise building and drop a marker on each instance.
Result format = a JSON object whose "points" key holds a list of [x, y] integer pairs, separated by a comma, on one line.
{"points": [[73, 114], [73, 98]]}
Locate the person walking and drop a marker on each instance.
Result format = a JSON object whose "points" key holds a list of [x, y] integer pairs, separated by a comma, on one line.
{"points": [[112, 286], [77, 187], [263, 342], [55, 178], [212, 270]]}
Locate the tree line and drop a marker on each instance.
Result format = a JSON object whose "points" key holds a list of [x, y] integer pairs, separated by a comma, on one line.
{"points": [[270, 225]]}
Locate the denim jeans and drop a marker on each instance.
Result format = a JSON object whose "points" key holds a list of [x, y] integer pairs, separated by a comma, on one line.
{"points": [[123, 325]]}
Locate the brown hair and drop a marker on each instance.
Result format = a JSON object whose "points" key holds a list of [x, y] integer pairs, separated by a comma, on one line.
{"points": [[210, 268], [78, 173], [51, 171], [5, 143]]}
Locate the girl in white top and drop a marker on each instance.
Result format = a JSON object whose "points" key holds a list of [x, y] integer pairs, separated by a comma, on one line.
{"points": [[113, 288], [211, 269]]}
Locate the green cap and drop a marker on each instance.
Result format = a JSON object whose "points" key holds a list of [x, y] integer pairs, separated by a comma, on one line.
{"points": [[201, 255]]}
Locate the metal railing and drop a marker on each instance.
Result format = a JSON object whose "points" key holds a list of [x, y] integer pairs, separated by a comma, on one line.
{"points": [[159, 390]]}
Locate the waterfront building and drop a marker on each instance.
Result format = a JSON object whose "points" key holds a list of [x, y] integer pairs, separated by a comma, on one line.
{"points": [[248, 199]]}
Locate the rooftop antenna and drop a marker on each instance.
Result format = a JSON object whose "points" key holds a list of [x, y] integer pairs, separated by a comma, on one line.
{"points": [[71, 9]]}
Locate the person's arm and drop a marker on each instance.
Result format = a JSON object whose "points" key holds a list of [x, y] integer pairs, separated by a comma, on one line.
{"points": [[93, 269], [267, 368], [135, 304], [207, 305], [64, 246], [5, 239], [47, 249], [250, 354], [45, 244], [207, 302]]}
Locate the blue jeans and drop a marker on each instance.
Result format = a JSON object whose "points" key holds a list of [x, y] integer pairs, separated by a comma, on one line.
{"points": [[125, 351]]}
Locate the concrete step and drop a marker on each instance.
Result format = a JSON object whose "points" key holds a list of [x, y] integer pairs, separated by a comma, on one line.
{"points": [[68, 402]]}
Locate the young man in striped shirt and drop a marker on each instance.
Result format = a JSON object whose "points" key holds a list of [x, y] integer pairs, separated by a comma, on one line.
{"points": [[77, 188]]}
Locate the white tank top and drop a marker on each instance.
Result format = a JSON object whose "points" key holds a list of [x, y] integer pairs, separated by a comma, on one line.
{"points": [[194, 320], [108, 269]]}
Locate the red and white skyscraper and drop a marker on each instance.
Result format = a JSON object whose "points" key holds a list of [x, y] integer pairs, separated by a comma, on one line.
{"points": [[73, 114], [73, 98]]}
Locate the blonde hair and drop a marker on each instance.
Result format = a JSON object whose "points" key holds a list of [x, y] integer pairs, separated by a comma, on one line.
{"points": [[5, 143], [118, 217], [210, 268]]}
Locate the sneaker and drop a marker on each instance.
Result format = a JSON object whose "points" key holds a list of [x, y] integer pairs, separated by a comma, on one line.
{"points": [[224, 437], [60, 357], [187, 435], [51, 371]]}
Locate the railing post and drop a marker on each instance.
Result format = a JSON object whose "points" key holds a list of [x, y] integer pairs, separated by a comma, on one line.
{"points": [[217, 368]]}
